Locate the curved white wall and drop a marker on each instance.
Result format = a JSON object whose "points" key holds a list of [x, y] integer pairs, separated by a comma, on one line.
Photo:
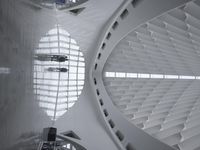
{"points": [[127, 19], [165, 108], [21, 30], [94, 117]]}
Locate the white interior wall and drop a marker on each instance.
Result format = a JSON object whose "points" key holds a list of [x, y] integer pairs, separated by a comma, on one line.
{"points": [[21, 29], [23, 114]]}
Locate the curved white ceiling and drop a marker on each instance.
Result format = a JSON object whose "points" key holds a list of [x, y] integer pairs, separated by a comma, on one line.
{"points": [[21, 28], [168, 44], [167, 109]]}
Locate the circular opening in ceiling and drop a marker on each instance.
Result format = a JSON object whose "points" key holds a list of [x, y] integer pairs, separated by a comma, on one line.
{"points": [[59, 72]]}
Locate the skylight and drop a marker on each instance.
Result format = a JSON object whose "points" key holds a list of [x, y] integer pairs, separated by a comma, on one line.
{"points": [[148, 76], [58, 84]]}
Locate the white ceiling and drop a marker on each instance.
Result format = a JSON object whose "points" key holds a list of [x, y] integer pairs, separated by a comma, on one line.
{"points": [[84, 28], [21, 29], [168, 44], [167, 109]]}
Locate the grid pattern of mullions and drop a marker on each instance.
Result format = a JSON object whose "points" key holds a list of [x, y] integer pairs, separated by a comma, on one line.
{"points": [[56, 103], [58, 91]]}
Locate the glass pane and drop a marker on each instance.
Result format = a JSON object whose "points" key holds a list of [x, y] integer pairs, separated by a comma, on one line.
{"points": [[51, 83]]}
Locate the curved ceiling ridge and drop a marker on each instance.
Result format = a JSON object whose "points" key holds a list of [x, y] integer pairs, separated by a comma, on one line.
{"points": [[162, 105]]}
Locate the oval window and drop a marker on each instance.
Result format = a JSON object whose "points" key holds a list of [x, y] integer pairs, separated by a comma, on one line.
{"points": [[59, 72]]}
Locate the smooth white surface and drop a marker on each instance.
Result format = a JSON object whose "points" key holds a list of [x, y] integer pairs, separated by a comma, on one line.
{"points": [[21, 29]]}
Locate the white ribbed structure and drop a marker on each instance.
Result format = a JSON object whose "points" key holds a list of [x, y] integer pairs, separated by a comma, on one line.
{"points": [[167, 109], [168, 44]]}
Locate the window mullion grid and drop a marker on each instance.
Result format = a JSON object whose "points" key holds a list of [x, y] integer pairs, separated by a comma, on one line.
{"points": [[77, 73], [50, 53], [58, 76], [68, 73], [50, 91]]}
